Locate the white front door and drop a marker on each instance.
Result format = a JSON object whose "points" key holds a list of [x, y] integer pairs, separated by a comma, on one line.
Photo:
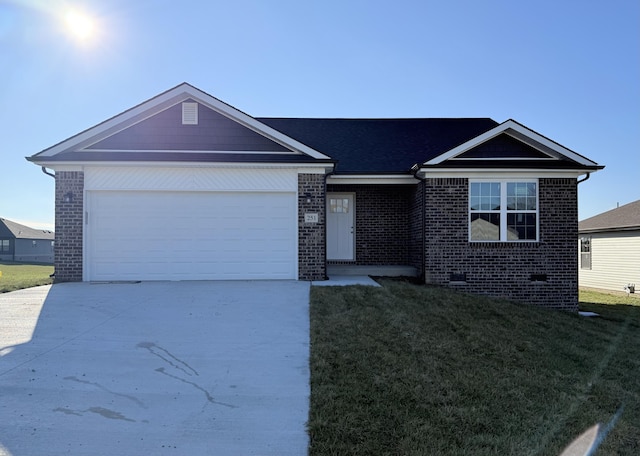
{"points": [[340, 226]]}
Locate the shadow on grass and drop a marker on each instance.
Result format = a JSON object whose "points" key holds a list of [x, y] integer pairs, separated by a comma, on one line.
{"points": [[411, 369]]}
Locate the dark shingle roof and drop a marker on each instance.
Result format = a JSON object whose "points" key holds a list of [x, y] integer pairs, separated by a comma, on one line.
{"points": [[621, 218], [380, 145], [9, 229]]}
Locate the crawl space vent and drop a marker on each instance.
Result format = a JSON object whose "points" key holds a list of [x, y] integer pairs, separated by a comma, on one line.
{"points": [[189, 113]]}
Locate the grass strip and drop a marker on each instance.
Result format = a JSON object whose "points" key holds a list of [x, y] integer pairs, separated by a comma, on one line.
{"points": [[16, 276]]}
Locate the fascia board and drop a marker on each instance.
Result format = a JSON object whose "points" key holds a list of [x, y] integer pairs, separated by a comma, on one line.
{"points": [[499, 173], [521, 133], [306, 168], [164, 101]]}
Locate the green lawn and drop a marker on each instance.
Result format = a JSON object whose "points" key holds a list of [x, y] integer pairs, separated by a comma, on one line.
{"points": [[416, 370], [16, 276]]}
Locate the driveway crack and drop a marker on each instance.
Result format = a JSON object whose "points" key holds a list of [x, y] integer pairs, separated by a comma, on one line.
{"points": [[168, 358], [210, 398]]}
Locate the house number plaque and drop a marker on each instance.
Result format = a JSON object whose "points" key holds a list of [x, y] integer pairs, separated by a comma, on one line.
{"points": [[310, 218]]}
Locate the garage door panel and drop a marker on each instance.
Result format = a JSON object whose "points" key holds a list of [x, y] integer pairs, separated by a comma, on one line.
{"points": [[191, 235]]}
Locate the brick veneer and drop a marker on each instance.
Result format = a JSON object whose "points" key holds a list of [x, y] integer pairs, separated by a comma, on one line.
{"points": [[69, 225], [505, 269], [416, 229], [382, 222], [311, 236]]}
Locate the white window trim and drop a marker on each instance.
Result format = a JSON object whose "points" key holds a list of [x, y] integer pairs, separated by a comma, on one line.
{"points": [[503, 210]]}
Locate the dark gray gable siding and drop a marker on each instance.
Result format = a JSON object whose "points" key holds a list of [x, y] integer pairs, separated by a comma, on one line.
{"points": [[503, 146], [164, 131], [5, 232]]}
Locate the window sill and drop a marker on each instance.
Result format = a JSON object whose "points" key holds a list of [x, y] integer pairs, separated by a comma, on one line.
{"points": [[506, 244]]}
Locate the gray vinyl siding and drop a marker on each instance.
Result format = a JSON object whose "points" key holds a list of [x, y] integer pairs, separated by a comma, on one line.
{"points": [[615, 260], [32, 251], [29, 251]]}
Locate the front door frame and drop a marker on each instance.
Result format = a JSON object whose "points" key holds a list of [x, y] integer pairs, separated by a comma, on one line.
{"points": [[345, 256]]}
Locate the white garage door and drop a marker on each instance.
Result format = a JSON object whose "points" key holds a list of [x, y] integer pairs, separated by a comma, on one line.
{"points": [[152, 235]]}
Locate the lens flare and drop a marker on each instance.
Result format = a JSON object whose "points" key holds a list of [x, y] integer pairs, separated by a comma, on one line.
{"points": [[79, 25]]}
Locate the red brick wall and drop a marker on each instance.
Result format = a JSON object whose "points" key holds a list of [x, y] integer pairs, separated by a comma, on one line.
{"points": [[69, 226], [311, 236], [505, 269]]}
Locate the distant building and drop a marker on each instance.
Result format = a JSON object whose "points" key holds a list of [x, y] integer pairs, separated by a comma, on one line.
{"points": [[24, 244], [609, 249]]}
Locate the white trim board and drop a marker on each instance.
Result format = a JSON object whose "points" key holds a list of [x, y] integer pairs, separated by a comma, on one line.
{"points": [[306, 168], [380, 179], [472, 173]]}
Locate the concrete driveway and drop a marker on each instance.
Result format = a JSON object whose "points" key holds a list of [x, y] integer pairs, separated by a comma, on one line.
{"points": [[176, 368]]}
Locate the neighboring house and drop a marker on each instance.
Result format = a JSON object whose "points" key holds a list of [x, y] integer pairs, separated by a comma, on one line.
{"points": [[24, 244], [186, 187], [609, 249]]}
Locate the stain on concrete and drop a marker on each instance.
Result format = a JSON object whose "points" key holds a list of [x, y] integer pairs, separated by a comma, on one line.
{"points": [[67, 411], [167, 357], [112, 415], [208, 395], [182, 366], [104, 412], [103, 388]]}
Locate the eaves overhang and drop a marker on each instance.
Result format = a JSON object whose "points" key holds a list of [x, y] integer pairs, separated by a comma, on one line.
{"points": [[609, 230], [311, 168], [423, 172]]}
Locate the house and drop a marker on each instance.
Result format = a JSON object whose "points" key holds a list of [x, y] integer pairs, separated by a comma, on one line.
{"points": [[24, 244], [609, 249], [186, 187]]}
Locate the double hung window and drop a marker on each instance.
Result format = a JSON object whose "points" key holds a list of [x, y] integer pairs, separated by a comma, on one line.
{"points": [[585, 252], [503, 211]]}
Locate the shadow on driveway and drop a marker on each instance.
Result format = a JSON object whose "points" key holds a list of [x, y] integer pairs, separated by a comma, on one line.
{"points": [[186, 368]]}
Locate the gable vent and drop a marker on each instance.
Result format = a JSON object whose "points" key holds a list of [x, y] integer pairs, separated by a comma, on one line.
{"points": [[189, 113]]}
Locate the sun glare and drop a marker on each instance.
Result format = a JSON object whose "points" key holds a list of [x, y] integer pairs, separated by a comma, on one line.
{"points": [[79, 25]]}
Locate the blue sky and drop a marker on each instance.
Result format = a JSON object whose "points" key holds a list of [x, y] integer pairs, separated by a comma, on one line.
{"points": [[569, 70]]}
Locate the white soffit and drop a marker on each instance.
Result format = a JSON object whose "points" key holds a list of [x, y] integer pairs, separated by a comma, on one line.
{"points": [[306, 168]]}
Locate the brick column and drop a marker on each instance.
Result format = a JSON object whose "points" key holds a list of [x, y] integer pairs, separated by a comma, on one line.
{"points": [[311, 234], [69, 226]]}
